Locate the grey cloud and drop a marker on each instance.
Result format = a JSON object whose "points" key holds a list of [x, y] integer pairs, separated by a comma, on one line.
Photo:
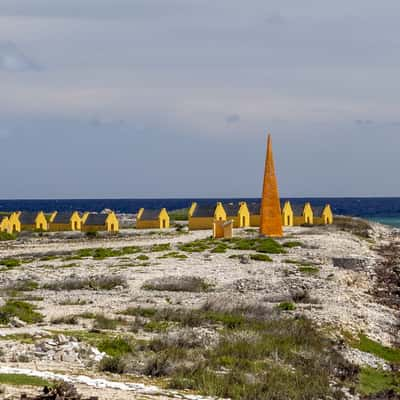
{"points": [[275, 19], [12, 59]]}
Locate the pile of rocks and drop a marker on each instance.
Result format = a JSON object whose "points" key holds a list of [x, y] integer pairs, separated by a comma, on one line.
{"points": [[66, 349]]}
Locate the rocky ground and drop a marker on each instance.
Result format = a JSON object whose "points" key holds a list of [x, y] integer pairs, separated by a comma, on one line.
{"points": [[80, 293]]}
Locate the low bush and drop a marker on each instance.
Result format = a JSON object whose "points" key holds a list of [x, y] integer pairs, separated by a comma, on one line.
{"points": [[309, 270], [355, 226], [25, 285], [10, 262], [23, 380], [286, 306], [20, 309], [92, 283], [292, 244], [102, 322], [115, 365], [160, 247], [178, 284], [5, 236], [174, 254], [372, 381], [67, 320], [260, 257], [116, 347]]}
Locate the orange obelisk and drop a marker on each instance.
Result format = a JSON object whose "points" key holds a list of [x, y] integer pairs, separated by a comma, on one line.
{"points": [[270, 210]]}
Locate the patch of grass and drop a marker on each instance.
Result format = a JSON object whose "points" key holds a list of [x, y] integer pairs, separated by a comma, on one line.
{"points": [[260, 257], [197, 246], [220, 248], [48, 258], [309, 270], [23, 380], [10, 262], [160, 247], [178, 284], [372, 381], [261, 245], [20, 309], [174, 254], [115, 365], [102, 322], [93, 283], [179, 215], [368, 345], [116, 347], [19, 337], [156, 326], [287, 306], [67, 320], [142, 257], [292, 244], [25, 285], [5, 236]]}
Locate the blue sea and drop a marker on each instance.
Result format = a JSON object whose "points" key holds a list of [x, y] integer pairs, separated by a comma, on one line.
{"points": [[384, 210]]}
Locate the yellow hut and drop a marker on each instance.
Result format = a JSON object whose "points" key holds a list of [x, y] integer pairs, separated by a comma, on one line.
{"points": [[92, 222], [323, 215], [287, 214], [32, 221], [238, 213], [254, 210], [223, 229], [203, 216], [14, 223], [302, 214], [152, 219], [65, 221], [4, 223]]}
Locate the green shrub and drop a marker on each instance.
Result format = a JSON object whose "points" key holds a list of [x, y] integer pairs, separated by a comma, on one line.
{"points": [[286, 306], [174, 254], [293, 244], [20, 309], [260, 257], [368, 345], [10, 262], [160, 247], [308, 270], [140, 312], [5, 236], [142, 257], [115, 365], [23, 380], [116, 347], [372, 381]]}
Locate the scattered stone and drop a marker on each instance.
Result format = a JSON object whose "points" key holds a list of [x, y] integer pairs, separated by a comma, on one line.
{"points": [[355, 264]]}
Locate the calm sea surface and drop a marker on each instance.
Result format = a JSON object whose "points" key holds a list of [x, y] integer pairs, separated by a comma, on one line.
{"points": [[385, 210]]}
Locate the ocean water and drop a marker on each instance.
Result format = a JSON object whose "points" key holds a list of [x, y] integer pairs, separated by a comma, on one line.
{"points": [[385, 210]]}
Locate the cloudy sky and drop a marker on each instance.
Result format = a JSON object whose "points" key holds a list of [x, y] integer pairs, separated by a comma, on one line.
{"points": [[173, 98]]}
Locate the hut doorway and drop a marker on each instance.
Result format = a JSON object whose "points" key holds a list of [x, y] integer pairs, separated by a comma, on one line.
{"points": [[288, 220], [164, 223], [76, 225], [112, 227], [243, 221]]}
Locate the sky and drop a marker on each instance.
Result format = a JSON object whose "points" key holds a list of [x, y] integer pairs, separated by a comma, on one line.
{"points": [[174, 98]]}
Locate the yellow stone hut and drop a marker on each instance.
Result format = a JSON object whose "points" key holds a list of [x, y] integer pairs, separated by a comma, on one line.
{"points": [[323, 215], [4, 223], [302, 214], [65, 221], [14, 223], [223, 229], [203, 216], [287, 214], [152, 219], [238, 213], [32, 221], [92, 222], [254, 210]]}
